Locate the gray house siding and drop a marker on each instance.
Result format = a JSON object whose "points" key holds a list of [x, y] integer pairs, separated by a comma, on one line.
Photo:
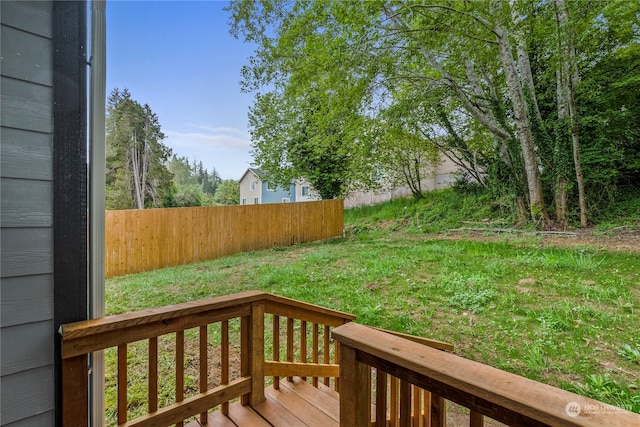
{"points": [[29, 375], [26, 240]]}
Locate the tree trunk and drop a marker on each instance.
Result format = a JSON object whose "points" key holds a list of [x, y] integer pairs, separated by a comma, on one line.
{"points": [[523, 128], [136, 179], [561, 172], [570, 68], [561, 200], [135, 171]]}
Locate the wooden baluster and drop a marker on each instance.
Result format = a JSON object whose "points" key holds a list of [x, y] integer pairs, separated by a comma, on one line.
{"points": [[405, 404], [204, 372], [381, 398], [393, 401], [122, 383], [179, 369], [276, 347], [417, 410], [245, 350], [153, 374], [224, 361], [427, 408], [314, 351], [289, 342], [476, 419], [438, 411], [326, 357], [336, 358], [303, 343]]}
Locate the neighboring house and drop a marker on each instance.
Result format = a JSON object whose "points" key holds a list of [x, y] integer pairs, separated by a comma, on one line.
{"points": [[442, 177], [305, 192], [43, 211], [256, 189]]}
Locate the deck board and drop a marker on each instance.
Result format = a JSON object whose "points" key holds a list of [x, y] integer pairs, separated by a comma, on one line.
{"points": [[325, 402], [295, 404], [304, 410]]}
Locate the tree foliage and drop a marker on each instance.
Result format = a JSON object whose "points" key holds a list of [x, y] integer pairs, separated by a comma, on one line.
{"points": [[347, 84], [136, 173], [193, 184], [228, 193]]}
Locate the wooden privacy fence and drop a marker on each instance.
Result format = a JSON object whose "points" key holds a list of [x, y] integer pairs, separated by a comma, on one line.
{"points": [[141, 240]]}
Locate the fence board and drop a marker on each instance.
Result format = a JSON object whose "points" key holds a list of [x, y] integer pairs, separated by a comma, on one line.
{"points": [[141, 240]]}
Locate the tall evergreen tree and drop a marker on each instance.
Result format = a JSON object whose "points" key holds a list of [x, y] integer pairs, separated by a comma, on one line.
{"points": [[137, 177]]}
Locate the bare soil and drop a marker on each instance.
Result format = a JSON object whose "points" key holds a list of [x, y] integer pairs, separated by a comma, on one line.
{"points": [[616, 240]]}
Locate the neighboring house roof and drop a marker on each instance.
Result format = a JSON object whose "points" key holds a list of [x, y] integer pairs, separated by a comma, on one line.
{"points": [[257, 172]]}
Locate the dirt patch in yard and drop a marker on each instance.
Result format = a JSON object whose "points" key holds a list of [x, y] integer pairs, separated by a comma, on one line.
{"points": [[621, 240]]}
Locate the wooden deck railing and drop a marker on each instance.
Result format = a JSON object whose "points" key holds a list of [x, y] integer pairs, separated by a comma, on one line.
{"points": [[304, 344], [439, 375]]}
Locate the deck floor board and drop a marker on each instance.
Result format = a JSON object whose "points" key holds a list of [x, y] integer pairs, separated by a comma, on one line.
{"points": [[295, 404]]}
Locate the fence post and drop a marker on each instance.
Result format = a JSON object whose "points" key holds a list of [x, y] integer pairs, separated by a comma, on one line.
{"points": [[355, 390]]}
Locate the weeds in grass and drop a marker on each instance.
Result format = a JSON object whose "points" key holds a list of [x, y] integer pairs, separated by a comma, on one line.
{"points": [[557, 259], [604, 389], [630, 353], [472, 293]]}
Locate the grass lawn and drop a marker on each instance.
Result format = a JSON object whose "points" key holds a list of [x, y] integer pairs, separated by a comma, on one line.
{"points": [[568, 317]]}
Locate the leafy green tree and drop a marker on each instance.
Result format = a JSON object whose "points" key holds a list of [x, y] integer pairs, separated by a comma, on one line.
{"points": [[228, 193], [136, 173], [300, 139], [499, 86], [193, 185]]}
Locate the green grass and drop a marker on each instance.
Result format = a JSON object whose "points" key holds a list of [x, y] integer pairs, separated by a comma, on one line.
{"points": [[438, 211], [566, 317]]}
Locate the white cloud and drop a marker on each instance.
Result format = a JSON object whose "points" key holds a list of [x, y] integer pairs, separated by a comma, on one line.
{"points": [[220, 130], [227, 152]]}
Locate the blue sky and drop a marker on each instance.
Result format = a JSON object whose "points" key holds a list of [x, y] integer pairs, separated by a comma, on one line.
{"points": [[178, 57]]}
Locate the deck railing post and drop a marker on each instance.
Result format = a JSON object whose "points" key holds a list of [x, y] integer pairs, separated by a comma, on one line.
{"points": [[75, 391], [355, 390], [252, 364]]}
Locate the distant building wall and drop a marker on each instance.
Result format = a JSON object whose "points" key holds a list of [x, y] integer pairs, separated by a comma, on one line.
{"points": [[250, 188], [277, 194], [305, 192], [443, 177]]}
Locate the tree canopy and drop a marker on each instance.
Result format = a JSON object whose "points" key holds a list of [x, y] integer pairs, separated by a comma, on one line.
{"points": [[142, 172], [522, 95], [136, 173]]}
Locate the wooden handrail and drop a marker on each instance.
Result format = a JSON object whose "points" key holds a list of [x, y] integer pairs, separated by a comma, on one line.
{"points": [[506, 397], [81, 338]]}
